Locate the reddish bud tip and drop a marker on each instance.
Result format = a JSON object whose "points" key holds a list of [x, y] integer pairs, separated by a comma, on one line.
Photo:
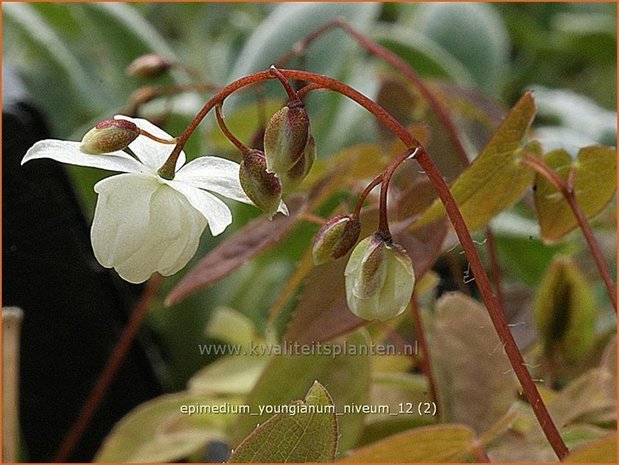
{"points": [[109, 135]]}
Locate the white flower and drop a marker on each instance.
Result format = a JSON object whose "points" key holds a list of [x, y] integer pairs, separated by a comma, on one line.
{"points": [[144, 223]]}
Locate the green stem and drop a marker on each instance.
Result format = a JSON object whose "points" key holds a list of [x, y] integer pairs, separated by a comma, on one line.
{"points": [[442, 189]]}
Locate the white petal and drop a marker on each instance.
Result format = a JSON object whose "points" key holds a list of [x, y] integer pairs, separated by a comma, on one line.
{"points": [[216, 175], [173, 238], [142, 226], [69, 152], [214, 210], [151, 153], [122, 216]]}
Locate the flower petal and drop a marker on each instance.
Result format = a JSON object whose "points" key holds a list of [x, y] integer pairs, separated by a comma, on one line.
{"points": [[151, 153], [173, 238], [216, 175], [214, 210], [122, 216], [69, 152]]}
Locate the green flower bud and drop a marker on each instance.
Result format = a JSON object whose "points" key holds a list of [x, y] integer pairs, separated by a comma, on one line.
{"points": [[285, 139], [293, 177], [109, 135], [148, 66], [564, 311], [262, 187], [379, 279], [336, 238]]}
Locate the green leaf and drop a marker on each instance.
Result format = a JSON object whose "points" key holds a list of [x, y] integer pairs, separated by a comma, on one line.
{"points": [[595, 184], [565, 310], [444, 443], [471, 32], [159, 431], [600, 451], [307, 432], [496, 178], [286, 378], [290, 22], [469, 364], [229, 375]]}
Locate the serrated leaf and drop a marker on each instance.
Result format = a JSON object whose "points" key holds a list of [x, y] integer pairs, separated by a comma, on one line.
{"points": [[298, 437], [565, 310], [287, 376], [469, 363], [595, 183], [157, 430], [496, 179], [242, 246], [600, 451], [444, 443]]}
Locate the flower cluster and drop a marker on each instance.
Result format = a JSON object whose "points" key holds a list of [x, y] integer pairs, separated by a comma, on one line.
{"points": [[144, 223]]}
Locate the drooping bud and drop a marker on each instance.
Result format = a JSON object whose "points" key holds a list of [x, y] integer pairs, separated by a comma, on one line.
{"points": [[262, 187], [109, 135], [285, 138], [148, 66], [336, 238], [564, 311], [293, 177], [379, 279]]}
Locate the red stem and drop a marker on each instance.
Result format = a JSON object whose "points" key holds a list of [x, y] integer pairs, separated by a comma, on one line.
{"points": [[114, 362], [567, 190], [481, 278]]}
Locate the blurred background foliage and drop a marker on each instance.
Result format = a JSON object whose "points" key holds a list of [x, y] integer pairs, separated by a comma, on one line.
{"points": [[72, 59]]}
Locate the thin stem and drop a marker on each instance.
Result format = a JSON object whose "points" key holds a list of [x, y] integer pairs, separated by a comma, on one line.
{"points": [[383, 223], [425, 363], [11, 329], [231, 137], [495, 266], [434, 175], [293, 98], [144, 133], [567, 190], [364, 195], [114, 362]]}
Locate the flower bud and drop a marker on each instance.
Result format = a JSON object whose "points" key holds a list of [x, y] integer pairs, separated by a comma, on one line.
{"points": [[336, 238], [285, 139], [293, 177], [109, 135], [379, 279], [262, 187], [148, 66]]}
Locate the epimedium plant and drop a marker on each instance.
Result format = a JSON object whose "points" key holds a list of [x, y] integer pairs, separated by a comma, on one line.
{"points": [[376, 279]]}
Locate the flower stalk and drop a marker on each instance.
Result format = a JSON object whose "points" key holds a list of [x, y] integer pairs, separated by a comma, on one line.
{"points": [[434, 175]]}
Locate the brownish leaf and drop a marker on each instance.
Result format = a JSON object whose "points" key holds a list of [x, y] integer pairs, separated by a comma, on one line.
{"points": [[242, 246]]}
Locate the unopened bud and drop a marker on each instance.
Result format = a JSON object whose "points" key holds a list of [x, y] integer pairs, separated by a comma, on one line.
{"points": [[262, 187], [109, 135], [336, 238], [379, 279], [293, 177], [148, 66], [285, 138]]}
